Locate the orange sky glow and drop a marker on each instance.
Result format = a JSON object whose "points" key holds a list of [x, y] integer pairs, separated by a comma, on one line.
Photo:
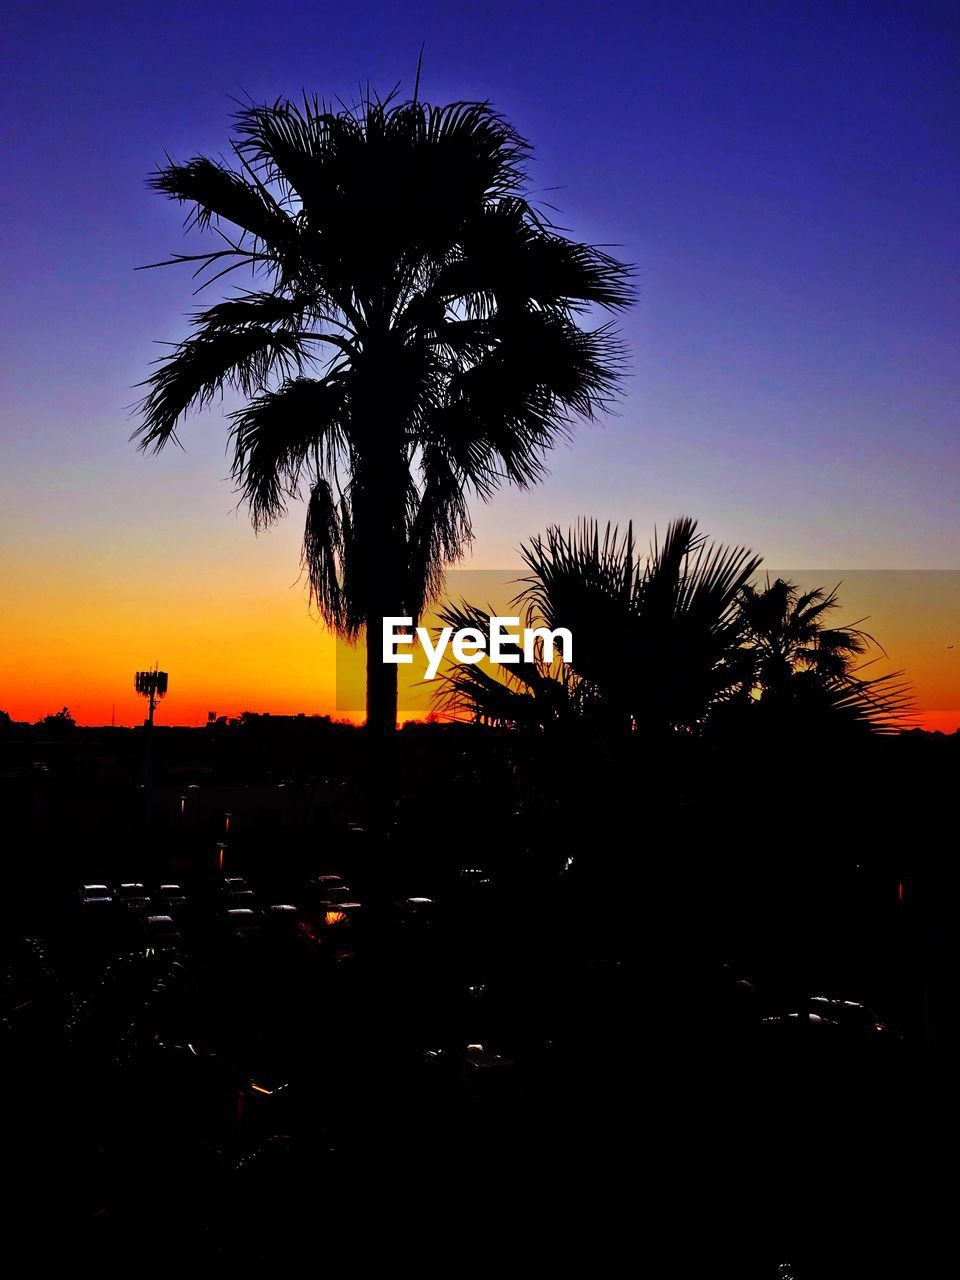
{"points": [[235, 634]]}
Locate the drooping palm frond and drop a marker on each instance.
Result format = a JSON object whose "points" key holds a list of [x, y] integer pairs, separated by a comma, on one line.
{"points": [[203, 366], [277, 434], [322, 558], [438, 528], [502, 413]]}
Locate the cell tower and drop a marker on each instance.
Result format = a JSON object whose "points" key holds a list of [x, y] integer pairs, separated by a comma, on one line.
{"points": [[151, 685]]}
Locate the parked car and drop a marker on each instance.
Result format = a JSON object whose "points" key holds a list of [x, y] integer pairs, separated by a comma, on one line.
{"points": [[162, 931], [324, 881], [232, 884], [91, 894], [338, 893], [171, 896], [831, 1023], [241, 922], [414, 911], [98, 907], [240, 898], [133, 897]]}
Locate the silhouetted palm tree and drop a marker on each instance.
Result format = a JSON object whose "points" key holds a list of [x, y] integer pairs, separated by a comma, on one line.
{"points": [[675, 642], [414, 335], [789, 632], [657, 641], [808, 670]]}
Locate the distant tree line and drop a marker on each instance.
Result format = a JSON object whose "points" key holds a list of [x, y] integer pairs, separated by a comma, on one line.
{"points": [[57, 721]]}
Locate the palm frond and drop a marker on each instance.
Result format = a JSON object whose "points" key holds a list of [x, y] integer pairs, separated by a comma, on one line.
{"points": [[322, 558], [507, 259], [885, 704], [252, 308], [200, 369], [438, 532], [501, 415], [520, 695], [218, 192], [278, 433]]}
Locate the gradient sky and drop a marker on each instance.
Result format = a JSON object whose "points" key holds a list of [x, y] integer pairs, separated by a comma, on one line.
{"points": [[784, 175]]}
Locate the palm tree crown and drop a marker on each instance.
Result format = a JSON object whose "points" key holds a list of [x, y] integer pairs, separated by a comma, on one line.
{"points": [[807, 670], [679, 641], [657, 639], [789, 631], [414, 335]]}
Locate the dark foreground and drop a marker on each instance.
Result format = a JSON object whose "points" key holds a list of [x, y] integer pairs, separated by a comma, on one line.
{"points": [[690, 1010]]}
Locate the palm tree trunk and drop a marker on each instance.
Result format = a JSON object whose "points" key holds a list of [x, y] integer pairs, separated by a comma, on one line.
{"points": [[381, 683], [374, 1068]]}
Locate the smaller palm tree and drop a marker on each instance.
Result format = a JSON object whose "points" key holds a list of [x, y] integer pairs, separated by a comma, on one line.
{"points": [[657, 639], [789, 633], [805, 668], [679, 641]]}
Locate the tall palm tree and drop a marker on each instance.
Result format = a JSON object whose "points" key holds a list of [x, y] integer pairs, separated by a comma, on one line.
{"points": [[414, 334], [657, 640]]}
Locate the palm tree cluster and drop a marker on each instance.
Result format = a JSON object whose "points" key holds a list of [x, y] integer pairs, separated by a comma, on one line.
{"points": [[414, 335], [679, 641]]}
